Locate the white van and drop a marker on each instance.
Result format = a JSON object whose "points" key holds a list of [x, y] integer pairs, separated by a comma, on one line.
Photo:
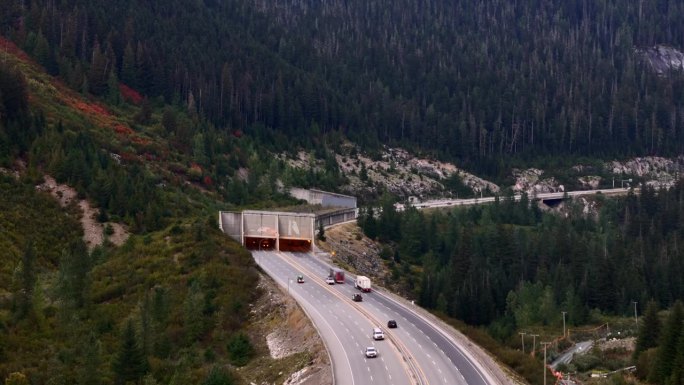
{"points": [[378, 334]]}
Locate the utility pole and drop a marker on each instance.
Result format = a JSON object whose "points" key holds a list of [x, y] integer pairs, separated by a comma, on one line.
{"points": [[534, 343], [522, 340], [545, 345], [636, 319], [564, 313]]}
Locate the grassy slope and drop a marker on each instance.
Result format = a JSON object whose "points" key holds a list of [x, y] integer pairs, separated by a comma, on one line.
{"points": [[54, 345]]}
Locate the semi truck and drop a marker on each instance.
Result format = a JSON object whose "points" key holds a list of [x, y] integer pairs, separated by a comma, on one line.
{"points": [[337, 275], [363, 283]]}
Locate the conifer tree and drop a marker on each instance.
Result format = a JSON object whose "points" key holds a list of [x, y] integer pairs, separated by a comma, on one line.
{"points": [[193, 317], [27, 281], [667, 350], [130, 363], [90, 374], [74, 266], [677, 377], [128, 67], [649, 329]]}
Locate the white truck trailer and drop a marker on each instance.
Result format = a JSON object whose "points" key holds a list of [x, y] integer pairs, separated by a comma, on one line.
{"points": [[363, 283]]}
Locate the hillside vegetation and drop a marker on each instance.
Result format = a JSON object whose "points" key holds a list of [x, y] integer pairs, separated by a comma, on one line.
{"points": [[169, 306]]}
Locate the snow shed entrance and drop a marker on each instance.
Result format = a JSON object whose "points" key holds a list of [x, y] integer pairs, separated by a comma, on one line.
{"points": [[270, 230]]}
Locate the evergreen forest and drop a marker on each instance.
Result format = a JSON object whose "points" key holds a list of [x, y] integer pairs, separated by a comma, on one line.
{"points": [[478, 82], [511, 266]]}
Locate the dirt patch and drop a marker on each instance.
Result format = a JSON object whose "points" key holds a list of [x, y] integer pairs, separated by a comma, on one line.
{"points": [[293, 351], [93, 231]]}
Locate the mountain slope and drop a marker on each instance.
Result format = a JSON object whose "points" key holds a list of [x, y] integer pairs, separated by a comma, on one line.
{"points": [[478, 81], [182, 286]]}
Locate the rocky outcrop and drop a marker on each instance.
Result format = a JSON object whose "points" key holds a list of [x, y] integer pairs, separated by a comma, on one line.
{"points": [[394, 170], [656, 171], [661, 59], [532, 182]]}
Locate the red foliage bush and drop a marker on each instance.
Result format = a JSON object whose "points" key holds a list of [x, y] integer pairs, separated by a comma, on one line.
{"points": [[129, 158], [139, 140], [9, 47], [207, 181], [122, 129], [92, 109], [129, 94]]}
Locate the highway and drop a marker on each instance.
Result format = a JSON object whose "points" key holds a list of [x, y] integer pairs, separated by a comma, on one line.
{"points": [[345, 331], [430, 356], [439, 203]]}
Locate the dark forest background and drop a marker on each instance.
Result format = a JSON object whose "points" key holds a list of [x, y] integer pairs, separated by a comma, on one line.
{"points": [[481, 82]]}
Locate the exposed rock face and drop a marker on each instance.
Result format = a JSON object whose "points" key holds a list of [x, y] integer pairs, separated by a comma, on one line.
{"points": [[531, 182], [395, 170], [590, 181], [658, 171], [418, 179], [661, 59]]}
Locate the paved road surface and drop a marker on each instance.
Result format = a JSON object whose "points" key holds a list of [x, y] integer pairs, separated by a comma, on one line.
{"points": [[437, 357], [345, 331], [543, 196], [566, 358]]}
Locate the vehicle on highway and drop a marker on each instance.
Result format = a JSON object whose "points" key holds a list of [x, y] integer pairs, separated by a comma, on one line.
{"points": [[300, 279], [330, 280], [363, 283], [357, 297], [371, 352], [378, 334], [337, 274], [392, 324]]}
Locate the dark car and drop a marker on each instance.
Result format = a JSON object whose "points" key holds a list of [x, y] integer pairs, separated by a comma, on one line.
{"points": [[300, 279], [357, 297], [392, 324]]}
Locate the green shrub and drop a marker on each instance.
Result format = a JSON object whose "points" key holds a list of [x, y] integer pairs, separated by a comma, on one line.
{"points": [[240, 349], [218, 377]]}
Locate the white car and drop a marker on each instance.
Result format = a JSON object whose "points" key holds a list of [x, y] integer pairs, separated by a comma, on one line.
{"points": [[330, 281], [371, 352], [378, 334]]}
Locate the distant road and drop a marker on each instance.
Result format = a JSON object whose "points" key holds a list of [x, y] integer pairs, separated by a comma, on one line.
{"points": [[420, 344], [578, 348], [437, 203]]}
